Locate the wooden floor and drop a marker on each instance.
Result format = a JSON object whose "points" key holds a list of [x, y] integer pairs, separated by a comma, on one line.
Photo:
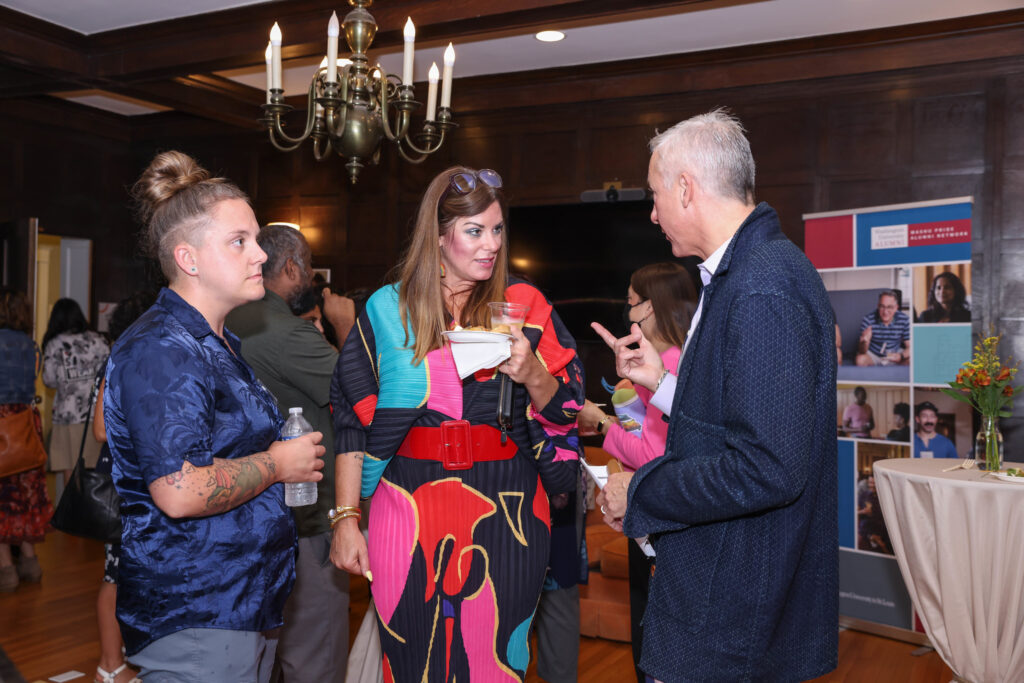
{"points": [[50, 627]]}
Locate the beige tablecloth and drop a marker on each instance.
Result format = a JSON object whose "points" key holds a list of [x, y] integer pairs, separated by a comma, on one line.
{"points": [[959, 540]]}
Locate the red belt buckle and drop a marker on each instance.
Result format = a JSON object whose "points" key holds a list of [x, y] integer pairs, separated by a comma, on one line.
{"points": [[456, 445]]}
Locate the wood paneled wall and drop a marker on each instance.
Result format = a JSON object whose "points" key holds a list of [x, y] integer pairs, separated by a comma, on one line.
{"points": [[834, 124], [69, 166]]}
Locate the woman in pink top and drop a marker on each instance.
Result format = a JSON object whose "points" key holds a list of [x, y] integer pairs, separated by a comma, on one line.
{"points": [[661, 299]]}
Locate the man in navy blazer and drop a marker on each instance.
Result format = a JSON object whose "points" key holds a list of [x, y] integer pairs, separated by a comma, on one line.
{"points": [[742, 508]]}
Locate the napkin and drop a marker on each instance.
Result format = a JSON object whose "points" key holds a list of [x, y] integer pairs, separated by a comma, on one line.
{"points": [[477, 355]]}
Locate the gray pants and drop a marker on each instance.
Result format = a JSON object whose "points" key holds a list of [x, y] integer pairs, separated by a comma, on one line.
{"points": [[557, 626], [314, 638], [203, 655]]}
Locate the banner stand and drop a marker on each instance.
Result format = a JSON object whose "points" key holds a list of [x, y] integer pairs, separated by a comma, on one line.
{"points": [[899, 280]]}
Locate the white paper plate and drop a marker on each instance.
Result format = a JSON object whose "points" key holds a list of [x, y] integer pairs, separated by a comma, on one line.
{"points": [[1008, 477], [475, 336]]}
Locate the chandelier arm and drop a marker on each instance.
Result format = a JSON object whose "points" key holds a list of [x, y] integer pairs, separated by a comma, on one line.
{"points": [[309, 120], [428, 149], [318, 152], [411, 160], [275, 143], [336, 116], [402, 123]]}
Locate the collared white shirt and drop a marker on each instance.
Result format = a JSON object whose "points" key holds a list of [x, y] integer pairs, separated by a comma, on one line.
{"points": [[662, 398]]}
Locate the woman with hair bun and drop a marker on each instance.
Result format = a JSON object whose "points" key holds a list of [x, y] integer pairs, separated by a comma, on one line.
{"points": [[208, 546], [459, 529]]}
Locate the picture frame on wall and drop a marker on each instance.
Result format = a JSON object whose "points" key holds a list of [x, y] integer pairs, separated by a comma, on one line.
{"points": [[325, 273]]}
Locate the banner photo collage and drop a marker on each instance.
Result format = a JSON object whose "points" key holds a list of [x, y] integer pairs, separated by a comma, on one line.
{"points": [[899, 279]]}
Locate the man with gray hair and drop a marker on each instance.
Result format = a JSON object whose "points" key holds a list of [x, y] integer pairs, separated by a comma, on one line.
{"points": [[292, 358], [741, 509]]}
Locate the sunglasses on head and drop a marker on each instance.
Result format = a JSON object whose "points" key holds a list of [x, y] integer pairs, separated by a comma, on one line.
{"points": [[464, 183]]}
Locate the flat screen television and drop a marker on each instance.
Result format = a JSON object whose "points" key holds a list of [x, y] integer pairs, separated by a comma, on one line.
{"points": [[581, 257]]}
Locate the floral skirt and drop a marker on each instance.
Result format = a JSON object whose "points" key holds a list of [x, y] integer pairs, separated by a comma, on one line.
{"points": [[25, 508]]}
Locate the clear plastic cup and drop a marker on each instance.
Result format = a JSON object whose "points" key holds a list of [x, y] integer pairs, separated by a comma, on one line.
{"points": [[505, 313]]}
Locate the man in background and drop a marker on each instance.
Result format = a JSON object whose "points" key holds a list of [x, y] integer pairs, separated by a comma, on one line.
{"points": [[292, 358], [928, 443], [884, 334], [858, 417]]}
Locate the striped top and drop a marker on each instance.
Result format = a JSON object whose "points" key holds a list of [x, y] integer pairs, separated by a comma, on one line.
{"points": [[886, 338]]}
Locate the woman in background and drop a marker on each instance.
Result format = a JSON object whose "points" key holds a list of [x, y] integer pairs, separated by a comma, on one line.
{"points": [[947, 301], [459, 530], [660, 299], [72, 354], [25, 509]]}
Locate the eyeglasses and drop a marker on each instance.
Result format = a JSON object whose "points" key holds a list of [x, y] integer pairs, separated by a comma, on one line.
{"points": [[464, 183]]}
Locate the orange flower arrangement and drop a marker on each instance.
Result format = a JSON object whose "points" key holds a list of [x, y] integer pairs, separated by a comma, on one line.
{"points": [[984, 381]]}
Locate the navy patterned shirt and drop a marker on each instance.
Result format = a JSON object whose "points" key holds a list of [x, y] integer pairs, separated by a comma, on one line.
{"points": [[175, 392]]}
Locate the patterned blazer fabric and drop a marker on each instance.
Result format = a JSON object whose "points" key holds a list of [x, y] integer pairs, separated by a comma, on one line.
{"points": [[742, 507]]}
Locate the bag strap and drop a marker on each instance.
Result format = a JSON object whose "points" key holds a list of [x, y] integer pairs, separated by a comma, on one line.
{"points": [[88, 415]]}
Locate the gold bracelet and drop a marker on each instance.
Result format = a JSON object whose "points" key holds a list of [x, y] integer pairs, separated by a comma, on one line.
{"points": [[341, 512], [601, 424], [343, 515]]}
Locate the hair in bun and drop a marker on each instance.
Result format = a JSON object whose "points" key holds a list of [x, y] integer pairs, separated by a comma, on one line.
{"points": [[174, 198]]}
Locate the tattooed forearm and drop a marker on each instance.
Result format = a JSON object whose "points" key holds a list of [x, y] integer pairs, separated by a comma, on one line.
{"points": [[175, 479], [211, 489], [233, 482]]}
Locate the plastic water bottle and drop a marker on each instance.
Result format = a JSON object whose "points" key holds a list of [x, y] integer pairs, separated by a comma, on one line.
{"points": [[302, 493]]}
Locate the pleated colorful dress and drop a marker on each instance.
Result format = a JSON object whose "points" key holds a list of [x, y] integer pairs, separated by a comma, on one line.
{"points": [[458, 553]]}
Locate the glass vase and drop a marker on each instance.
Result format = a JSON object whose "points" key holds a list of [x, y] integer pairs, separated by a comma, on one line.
{"points": [[988, 445]]}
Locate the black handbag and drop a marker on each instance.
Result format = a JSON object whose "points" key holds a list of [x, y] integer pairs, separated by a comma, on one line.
{"points": [[89, 506]]}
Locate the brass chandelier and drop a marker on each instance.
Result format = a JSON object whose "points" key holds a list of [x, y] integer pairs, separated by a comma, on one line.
{"points": [[354, 113]]}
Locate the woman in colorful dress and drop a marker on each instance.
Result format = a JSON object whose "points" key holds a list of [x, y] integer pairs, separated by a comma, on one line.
{"points": [[25, 508], [459, 523]]}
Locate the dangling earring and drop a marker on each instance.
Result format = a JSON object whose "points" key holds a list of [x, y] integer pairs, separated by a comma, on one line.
{"points": [[442, 271]]}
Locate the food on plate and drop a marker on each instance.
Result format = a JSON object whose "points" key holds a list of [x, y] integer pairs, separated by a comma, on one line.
{"points": [[1015, 472]]}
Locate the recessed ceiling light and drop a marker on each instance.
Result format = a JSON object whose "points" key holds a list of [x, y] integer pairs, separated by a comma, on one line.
{"points": [[550, 36]]}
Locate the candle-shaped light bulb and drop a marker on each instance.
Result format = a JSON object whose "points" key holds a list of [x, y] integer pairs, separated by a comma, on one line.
{"points": [[446, 84], [407, 63], [333, 29], [269, 55], [275, 44], [432, 77]]}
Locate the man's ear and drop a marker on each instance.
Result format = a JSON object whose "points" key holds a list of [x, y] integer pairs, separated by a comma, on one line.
{"points": [[291, 270], [685, 188], [185, 258]]}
